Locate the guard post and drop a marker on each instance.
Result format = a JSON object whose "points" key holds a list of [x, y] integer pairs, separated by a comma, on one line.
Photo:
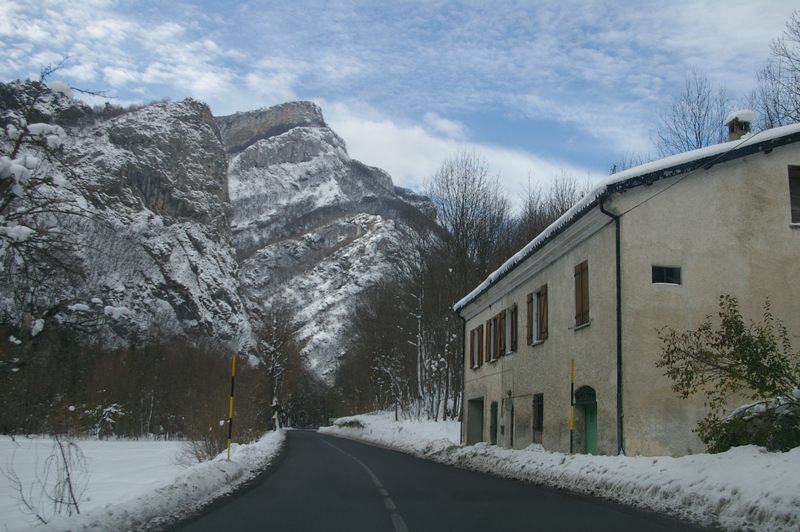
{"points": [[230, 411], [571, 404]]}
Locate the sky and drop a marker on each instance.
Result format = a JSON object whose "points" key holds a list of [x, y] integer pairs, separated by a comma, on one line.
{"points": [[537, 88]]}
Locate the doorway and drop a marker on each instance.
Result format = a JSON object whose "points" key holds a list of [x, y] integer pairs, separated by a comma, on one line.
{"points": [[586, 400], [493, 424], [474, 421]]}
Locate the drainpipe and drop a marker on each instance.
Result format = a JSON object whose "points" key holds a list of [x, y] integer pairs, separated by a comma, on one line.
{"points": [[620, 445], [463, 378]]}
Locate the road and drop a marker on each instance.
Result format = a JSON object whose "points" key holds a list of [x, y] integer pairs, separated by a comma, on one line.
{"points": [[329, 484]]}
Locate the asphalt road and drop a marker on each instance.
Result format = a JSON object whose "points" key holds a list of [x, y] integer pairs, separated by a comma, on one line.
{"points": [[330, 484]]}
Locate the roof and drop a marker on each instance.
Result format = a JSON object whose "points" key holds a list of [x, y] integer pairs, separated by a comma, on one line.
{"points": [[675, 165]]}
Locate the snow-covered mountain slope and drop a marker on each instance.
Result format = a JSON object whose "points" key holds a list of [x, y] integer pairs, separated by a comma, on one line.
{"points": [[195, 223], [284, 182], [159, 243], [321, 271], [311, 226]]}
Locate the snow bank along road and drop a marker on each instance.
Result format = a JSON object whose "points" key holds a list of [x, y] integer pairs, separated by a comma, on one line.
{"points": [[743, 489], [132, 485], [332, 484]]}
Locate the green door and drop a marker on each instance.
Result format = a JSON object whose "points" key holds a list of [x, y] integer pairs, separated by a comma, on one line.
{"points": [[590, 417], [493, 425]]}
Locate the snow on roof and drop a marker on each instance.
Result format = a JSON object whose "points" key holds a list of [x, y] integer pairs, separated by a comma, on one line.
{"points": [[669, 166], [744, 115]]}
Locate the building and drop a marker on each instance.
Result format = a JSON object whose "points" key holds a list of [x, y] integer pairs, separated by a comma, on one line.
{"points": [[649, 247]]}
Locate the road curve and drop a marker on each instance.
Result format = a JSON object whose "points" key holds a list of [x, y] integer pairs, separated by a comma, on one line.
{"points": [[330, 484]]}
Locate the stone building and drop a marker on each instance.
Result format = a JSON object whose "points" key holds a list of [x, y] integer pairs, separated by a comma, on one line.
{"points": [[651, 247]]}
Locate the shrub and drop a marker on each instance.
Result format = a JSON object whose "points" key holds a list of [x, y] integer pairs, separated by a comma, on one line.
{"points": [[755, 361]]}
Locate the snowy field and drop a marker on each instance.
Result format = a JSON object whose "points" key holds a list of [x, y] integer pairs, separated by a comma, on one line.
{"points": [[744, 489], [133, 485]]}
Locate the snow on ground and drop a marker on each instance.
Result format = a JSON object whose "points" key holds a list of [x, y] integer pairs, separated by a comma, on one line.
{"points": [[133, 485], [743, 489]]}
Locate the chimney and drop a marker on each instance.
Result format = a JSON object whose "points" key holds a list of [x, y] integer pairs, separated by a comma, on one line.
{"points": [[738, 123]]}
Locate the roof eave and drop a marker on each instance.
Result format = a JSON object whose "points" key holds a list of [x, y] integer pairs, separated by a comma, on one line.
{"points": [[638, 180]]}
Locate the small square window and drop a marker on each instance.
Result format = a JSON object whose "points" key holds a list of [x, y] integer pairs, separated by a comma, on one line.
{"points": [[666, 275]]}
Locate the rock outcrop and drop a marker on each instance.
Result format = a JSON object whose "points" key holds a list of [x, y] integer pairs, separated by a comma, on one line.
{"points": [[241, 130], [161, 174], [199, 222], [311, 226], [156, 238]]}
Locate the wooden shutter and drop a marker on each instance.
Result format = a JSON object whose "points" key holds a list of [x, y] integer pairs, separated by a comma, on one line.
{"points": [[585, 291], [472, 352], [480, 345], [794, 192], [578, 297], [488, 340], [529, 322], [542, 312], [513, 318], [501, 333], [582, 293]]}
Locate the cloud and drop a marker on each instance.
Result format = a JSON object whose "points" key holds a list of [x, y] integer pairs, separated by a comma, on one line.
{"points": [[275, 86], [110, 48], [412, 152], [451, 129], [598, 69]]}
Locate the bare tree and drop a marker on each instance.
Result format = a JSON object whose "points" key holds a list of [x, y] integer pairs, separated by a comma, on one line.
{"points": [[473, 210], [277, 352], [41, 217], [543, 204], [629, 159], [777, 93], [694, 119], [58, 484]]}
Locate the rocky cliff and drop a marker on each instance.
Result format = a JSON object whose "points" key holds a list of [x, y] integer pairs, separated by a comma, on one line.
{"points": [[311, 226], [294, 172], [191, 224], [156, 234]]}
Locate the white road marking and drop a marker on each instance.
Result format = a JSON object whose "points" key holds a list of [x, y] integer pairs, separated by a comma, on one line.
{"points": [[399, 524], [397, 520]]}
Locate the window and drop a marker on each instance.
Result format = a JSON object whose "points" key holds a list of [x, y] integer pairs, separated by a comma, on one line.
{"points": [[794, 192], [582, 293], [537, 315], [511, 329], [538, 417], [666, 275], [472, 351], [491, 339], [476, 347], [479, 342], [501, 334]]}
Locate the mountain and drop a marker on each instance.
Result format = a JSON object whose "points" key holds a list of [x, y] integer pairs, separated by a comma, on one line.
{"points": [[153, 182], [311, 226], [193, 225]]}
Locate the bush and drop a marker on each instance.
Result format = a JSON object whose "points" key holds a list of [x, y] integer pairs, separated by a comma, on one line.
{"points": [[755, 361]]}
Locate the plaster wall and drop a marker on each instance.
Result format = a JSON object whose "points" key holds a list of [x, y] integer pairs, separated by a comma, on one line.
{"points": [[544, 367], [729, 230]]}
